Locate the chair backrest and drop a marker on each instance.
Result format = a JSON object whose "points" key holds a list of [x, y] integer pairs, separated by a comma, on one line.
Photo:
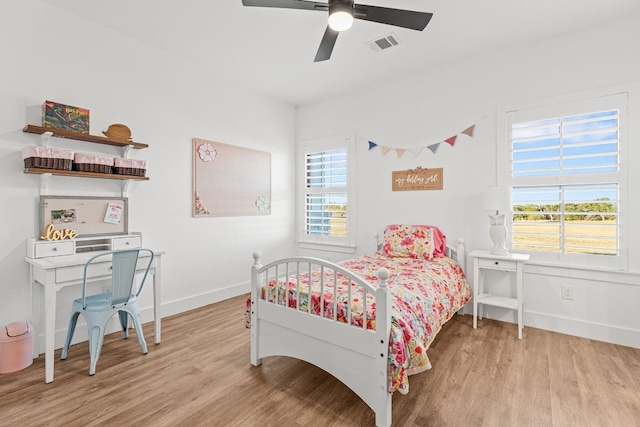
{"points": [[123, 273]]}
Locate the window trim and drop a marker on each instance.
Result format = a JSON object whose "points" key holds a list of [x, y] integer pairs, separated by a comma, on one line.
{"points": [[326, 243], [554, 106]]}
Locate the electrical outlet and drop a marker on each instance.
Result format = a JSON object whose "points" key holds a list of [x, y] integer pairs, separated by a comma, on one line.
{"points": [[566, 292]]}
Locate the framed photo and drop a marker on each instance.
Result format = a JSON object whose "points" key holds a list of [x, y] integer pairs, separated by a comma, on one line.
{"points": [[88, 216]]}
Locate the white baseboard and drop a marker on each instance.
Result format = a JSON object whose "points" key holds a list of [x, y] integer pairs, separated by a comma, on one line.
{"points": [[585, 329], [564, 325], [169, 308], [191, 303]]}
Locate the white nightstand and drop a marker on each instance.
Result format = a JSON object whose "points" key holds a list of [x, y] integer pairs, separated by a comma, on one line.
{"points": [[511, 263]]}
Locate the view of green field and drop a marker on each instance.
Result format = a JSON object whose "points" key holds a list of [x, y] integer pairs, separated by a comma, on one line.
{"points": [[588, 237], [597, 237]]}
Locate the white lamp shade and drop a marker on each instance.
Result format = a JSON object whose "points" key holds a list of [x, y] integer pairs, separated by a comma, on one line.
{"points": [[498, 198]]}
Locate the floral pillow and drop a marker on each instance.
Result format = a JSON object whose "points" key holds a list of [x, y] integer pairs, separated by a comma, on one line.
{"points": [[408, 241]]}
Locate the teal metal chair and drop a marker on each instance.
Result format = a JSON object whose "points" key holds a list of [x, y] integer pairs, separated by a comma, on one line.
{"points": [[98, 309]]}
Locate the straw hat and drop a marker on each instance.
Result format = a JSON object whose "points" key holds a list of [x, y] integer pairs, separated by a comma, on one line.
{"points": [[118, 131]]}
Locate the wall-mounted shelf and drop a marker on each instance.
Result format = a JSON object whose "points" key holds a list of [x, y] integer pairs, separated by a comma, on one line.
{"points": [[39, 130], [45, 133], [84, 174]]}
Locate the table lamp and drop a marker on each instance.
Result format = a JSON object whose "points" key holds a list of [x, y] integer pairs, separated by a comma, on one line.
{"points": [[498, 199]]}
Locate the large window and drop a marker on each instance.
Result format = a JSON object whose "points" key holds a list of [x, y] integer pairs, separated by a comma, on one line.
{"points": [[326, 192], [566, 173]]}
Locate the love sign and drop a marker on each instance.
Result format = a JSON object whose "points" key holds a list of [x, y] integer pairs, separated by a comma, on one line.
{"points": [[51, 234]]}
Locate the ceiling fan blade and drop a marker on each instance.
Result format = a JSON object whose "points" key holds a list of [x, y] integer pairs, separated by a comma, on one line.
{"points": [[287, 4], [398, 17], [326, 45]]}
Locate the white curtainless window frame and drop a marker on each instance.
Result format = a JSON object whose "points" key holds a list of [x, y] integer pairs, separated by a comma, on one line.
{"points": [[565, 162], [326, 206]]}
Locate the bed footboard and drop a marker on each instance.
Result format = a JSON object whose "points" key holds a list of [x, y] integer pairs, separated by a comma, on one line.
{"points": [[334, 337]]}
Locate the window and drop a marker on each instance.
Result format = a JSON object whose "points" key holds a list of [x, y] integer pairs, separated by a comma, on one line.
{"points": [[565, 169], [326, 194]]}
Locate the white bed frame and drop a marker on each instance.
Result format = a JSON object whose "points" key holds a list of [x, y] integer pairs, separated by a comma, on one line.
{"points": [[354, 355]]}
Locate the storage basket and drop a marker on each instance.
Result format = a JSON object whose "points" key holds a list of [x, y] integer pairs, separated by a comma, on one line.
{"points": [[47, 158], [133, 167], [92, 163]]}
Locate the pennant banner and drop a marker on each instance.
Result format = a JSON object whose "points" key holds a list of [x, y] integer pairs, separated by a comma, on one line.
{"points": [[432, 147]]}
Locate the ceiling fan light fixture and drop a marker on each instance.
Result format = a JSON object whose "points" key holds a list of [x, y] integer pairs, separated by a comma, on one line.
{"points": [[340, 16]]}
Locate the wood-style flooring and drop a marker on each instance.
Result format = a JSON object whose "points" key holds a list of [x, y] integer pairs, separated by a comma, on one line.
{"points": [[200, 375]]}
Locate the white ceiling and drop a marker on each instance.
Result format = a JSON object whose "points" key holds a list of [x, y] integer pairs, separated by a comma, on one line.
{"points": [[272, 50]]}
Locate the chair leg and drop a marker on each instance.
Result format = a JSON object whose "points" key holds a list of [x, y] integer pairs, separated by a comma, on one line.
{"points": [[96, 336], [72, 327], [124, 322], [138, 325]]}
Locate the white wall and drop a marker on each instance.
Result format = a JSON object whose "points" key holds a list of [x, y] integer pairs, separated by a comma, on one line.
{"points": [[48, 54], [433, 105]]}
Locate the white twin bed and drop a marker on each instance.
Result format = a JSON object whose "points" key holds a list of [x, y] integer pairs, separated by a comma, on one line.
{"points": [[367, 321]]}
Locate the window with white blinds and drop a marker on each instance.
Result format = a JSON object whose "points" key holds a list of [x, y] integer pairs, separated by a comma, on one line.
{"points": [[326, 192], [566, 179]]}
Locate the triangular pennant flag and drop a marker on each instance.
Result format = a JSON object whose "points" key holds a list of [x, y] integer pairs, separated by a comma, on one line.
{"points": [[415, 151], [434, 147], [469, 130]]}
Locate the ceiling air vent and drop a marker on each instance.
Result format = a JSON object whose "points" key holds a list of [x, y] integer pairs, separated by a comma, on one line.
{"points": [[384, 43]]}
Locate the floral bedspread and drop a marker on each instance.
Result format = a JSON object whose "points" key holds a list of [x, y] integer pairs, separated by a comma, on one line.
{"points": [[424, 296]]}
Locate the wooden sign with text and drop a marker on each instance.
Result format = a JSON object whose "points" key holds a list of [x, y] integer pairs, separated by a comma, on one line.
{"points": [[417, 179]]}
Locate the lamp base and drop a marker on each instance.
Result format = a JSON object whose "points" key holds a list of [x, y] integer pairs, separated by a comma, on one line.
{"points": [[498, 234], [498, 251]]}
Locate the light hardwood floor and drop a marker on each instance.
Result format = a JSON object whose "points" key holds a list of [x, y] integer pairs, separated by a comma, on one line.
{"points": [[200, 375]]}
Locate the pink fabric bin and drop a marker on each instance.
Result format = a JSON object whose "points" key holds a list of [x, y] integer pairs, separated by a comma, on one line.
{"points": [[92, 163], [16, 347], [134, 167], [47, 158]]}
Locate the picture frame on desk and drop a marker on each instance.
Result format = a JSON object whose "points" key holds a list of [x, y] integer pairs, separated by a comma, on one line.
{"points": [[87, 215]]}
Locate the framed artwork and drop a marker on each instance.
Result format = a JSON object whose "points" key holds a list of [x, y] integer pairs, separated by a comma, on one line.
{"points": [[230, 180], [88, 216]]}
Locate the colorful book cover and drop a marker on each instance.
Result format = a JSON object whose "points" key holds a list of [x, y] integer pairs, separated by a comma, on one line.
{"points": [[65, 117]]}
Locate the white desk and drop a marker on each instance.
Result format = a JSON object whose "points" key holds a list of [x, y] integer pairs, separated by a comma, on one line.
{"points": [[57, 272]]}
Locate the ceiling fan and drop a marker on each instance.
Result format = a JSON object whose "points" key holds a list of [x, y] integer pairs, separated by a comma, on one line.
{"points": [[341, 16]]}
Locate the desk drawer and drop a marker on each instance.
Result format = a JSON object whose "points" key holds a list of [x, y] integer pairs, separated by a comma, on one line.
{"points": [[73, 273], [58, 248], [96, 271], [128, 242], [497, 264]]}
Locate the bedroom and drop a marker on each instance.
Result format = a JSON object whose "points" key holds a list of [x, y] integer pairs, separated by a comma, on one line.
{"points": [[51, 53]]}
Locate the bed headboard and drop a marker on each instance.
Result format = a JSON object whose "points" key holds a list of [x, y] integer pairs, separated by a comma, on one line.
{"points": [[458, 253]]}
